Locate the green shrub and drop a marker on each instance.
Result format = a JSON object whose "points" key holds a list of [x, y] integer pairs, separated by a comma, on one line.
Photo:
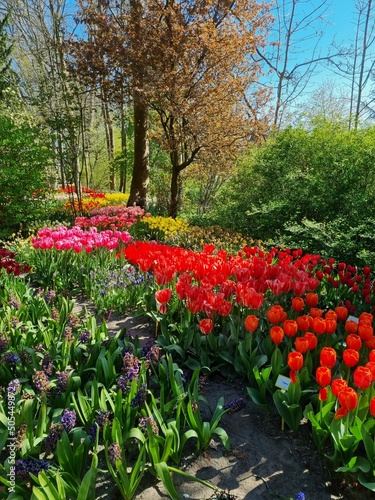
{"points": [[24, 162]]}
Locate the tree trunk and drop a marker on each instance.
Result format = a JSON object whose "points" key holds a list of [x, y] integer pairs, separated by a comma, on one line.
{"points": [[174, 203], [141, 166]]}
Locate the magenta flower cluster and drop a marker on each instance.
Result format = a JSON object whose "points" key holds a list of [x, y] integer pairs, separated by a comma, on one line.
{"points": [[78, 240]]}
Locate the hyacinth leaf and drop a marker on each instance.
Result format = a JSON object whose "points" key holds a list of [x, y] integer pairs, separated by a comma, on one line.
{"points": [[355, 464], [164, 475], [48, 490], [87, 489], [367, 484]]}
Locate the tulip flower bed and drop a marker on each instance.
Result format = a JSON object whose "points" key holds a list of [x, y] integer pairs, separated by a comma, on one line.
{"points": [[298, 328]]}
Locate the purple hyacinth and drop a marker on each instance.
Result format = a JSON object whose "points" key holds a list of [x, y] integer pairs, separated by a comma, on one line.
{"points": [[50, 295], [62, 381], [68, 419], [122, 384], [140, 397], [11, 358], [41, 382], [131, 366], [148, 420], [4, 342], [54, 434], [28, 465], [13, 386], [84, 337], [114, 453], [235, 405], [300, 496], [47, 365], [102, 418]]}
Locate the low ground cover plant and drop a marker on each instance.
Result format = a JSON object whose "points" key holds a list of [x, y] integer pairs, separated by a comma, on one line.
{"points": [[297, 327]]}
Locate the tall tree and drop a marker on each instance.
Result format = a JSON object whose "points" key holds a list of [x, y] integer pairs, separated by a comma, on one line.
{"points": [[189, 62], [295, 51]]}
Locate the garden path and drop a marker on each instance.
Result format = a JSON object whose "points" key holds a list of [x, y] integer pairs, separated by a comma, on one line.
{"points": [[265, 461]]}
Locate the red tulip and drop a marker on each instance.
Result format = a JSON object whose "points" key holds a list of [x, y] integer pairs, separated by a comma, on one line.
{"points": [[353, 341], [206, 325], [323, 376], [337, 385], [348, 398], [312, 339], [342, 313], [366, 318], [298, 304], [351, 326], [303, 323], [350, 357], [362, 377], [312, 299], [331, 315], [276, 334], [163, 296], [331, 326], [372, 407], [301, 344], [365, 331], [295, 361], [315, 312], [290, 327], [371, 366], [274, 314], [251, 323], [328, 357], [319, 325]]}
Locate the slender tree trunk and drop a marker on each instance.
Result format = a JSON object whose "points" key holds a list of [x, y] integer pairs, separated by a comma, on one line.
{"points": [[141, 166], [174, 203]]}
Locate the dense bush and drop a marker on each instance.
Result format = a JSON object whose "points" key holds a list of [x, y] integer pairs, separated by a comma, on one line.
{"points": [[24, 162], [310, 188]]}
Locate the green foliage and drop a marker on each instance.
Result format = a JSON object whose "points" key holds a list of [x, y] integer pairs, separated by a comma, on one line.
{"points": [[24, 161], [306, 188]]}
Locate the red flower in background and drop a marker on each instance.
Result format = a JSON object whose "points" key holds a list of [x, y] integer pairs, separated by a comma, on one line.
{"points": [[206, 325]]}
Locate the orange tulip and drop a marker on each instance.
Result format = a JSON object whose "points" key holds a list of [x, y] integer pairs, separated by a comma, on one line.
{"points": [[290, 327], [328, 357], [276, 334], [348, 398], [301, 344], [312, 299], [351, 326], [323, 376], [366, 318], [350, 357], [365, 331], [362, 377], [342, 313], [303, 323], [331, 326], [319, 325], [295, 361], [312, 339], [251, 323], [274, 314], [337, 385], [315, 312], [371, 366], [298, 304], [353, 341], [331, 315]]}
